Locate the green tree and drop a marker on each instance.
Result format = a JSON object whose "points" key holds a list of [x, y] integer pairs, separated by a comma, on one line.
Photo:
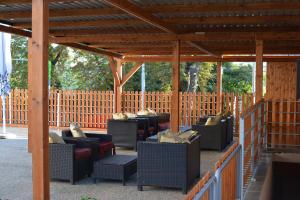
{"points": [[237, 77], [19, 54]]}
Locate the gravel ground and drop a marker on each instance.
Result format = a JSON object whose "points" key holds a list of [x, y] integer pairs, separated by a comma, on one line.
{"points": [[16, 177]]}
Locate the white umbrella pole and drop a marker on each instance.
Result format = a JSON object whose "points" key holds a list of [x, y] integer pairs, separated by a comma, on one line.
{"points": [[143, 86], [3, 114]]}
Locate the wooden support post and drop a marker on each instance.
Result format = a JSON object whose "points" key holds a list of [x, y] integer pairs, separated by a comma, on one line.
{"points": [[219, 87], [39, 100], [259, 71], [175, 88], [116, 68], [29, 112]]}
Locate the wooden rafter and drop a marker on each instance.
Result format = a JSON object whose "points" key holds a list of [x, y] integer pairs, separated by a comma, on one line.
{"points": [[8, 29], [93, 50], [200, 47], [213, 36], [144, 16], [232, 20], [241, 58], [154, 9], [131, 73], [141, 14]]}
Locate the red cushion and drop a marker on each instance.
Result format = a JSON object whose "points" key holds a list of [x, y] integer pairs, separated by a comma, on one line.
{"points": [[164, 126], [82, 153], [105, 147]]}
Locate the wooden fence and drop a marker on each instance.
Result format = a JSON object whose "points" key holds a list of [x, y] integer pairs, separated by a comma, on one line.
{"points": [[193, 105], [283, 124], [92, 109]]}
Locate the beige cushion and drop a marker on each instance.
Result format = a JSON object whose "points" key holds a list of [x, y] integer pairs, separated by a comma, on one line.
{"points": [[55, 139], [130, 115], [168, 137], [143, 112], [187, 135], [165, 132], [211, 121], [151, 112], [120, 116], [76, 131], [218, 118]]}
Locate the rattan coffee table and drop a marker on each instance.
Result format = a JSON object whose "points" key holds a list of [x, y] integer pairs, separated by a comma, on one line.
{"points": [[116, 167]]}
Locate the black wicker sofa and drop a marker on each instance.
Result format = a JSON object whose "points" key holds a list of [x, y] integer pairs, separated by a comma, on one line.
{"points": [[168, 164]]}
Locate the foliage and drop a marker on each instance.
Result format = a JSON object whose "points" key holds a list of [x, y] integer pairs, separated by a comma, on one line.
{"points": [[76, 69], [18, 78], [237, 77]]}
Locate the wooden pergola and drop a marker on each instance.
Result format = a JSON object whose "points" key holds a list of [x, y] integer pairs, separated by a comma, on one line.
{"points": [[146, 31]]}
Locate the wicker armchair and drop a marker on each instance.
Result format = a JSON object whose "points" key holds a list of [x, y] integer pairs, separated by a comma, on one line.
{"points": [[213, 137], [126, 133], [70, 162], [101, 144], [167, 164]]}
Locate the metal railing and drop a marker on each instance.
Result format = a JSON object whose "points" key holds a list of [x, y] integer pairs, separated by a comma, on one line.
{"points": [[237, 167], [228, 169]]}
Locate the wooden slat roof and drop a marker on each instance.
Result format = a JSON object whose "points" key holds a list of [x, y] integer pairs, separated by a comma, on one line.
{"points": [[149, 27]]}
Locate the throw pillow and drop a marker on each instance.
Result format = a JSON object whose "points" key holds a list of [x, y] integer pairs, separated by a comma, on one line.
{"points": [[211, 121], [130, 115], [188, 135], [169, 137], [143, 112], [76, 131], [151, 112], [55, 139], [120, 116]]}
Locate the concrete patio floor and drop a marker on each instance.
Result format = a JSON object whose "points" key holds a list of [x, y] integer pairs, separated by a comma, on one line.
{"points": [[16, 175]]}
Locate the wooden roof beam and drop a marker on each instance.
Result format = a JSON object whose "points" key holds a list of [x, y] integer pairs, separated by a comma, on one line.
{"points": [[93, 50], [155, 9], [210, 59], [12, 30], [203, 49], [212, 36], [145, 16], [232, 20], [28, 34], [141, 14]]}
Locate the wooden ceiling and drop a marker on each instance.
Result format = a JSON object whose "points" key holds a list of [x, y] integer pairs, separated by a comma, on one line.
{"points": [[143, 27]]}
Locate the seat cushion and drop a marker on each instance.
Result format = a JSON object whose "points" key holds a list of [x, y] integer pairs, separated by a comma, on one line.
{"points": [[82, 153], [105, 147]]}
